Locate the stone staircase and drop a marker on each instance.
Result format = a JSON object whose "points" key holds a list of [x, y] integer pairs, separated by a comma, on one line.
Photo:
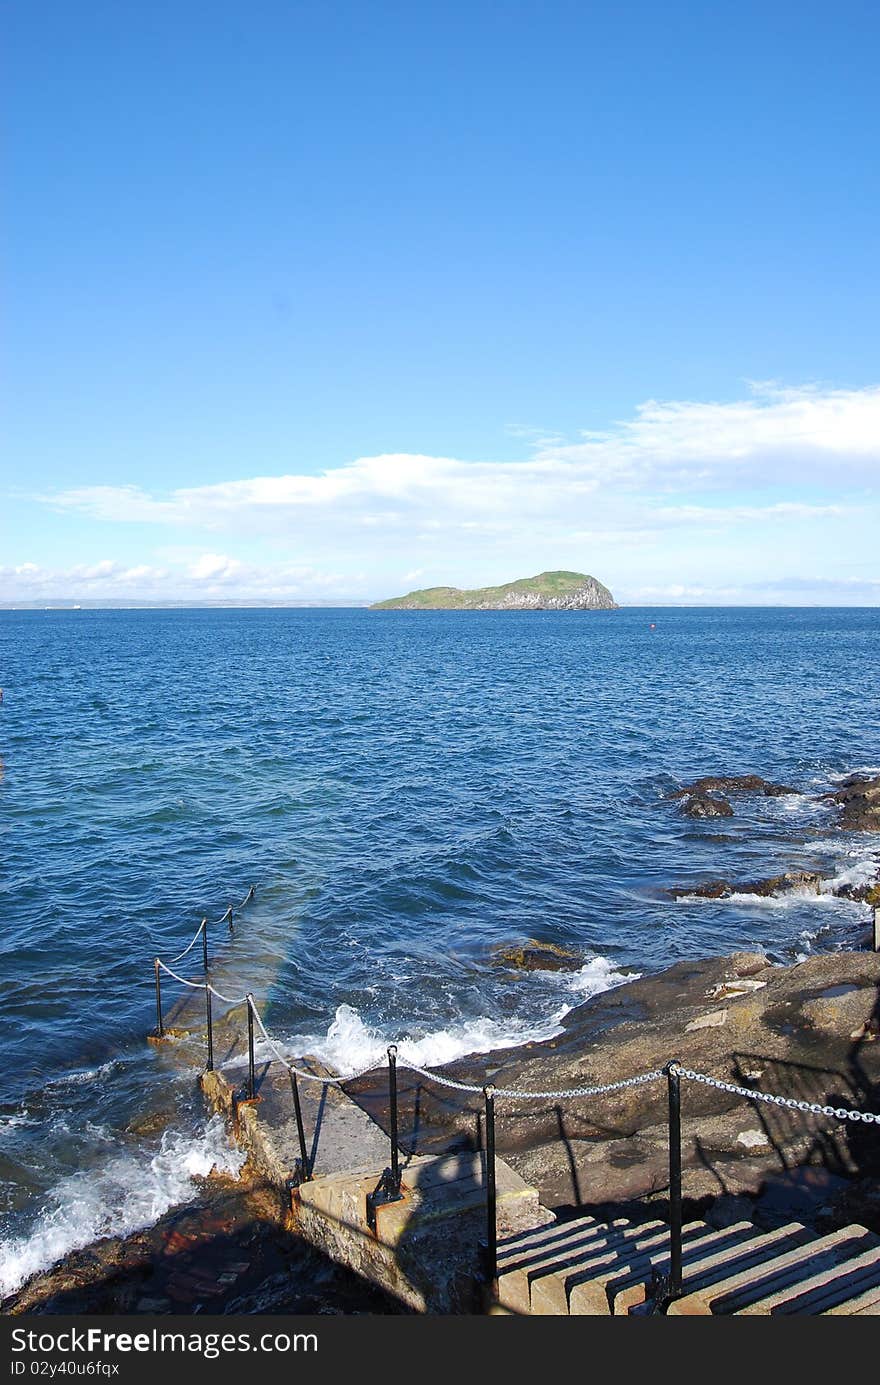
{"points": [[588, 1267]]}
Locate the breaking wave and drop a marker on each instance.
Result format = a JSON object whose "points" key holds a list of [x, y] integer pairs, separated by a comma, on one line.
{"points": [[351, 1044], [127, 1193]]}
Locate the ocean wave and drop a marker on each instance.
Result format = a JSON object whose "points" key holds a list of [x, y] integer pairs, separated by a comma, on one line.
{"points": [[351, 1044], [791, 899], [79, 1076], [125, 1194], [863, 871]]}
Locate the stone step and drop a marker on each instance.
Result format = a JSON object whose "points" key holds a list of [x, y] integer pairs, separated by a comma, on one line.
{"points": [[733, 1293], [872, 1308], [515, 1281], [706, 1264], [820, 1291], [867, 1302], [527, 1243], [597, 1295], [547, 1287], [551, 1241]]}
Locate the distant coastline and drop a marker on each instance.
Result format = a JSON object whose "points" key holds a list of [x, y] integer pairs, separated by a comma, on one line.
{"points": [[228, 604]]}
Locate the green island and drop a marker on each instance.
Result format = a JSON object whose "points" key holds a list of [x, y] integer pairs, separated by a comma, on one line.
{"points": [[549, 591]]}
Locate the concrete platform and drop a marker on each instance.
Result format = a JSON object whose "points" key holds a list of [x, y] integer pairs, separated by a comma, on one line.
{"points": [[427, 1249]]}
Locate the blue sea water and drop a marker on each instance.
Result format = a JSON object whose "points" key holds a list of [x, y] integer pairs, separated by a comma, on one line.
{"points": [[407, 791]]}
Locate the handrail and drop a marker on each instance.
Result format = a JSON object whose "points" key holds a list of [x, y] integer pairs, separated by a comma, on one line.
{"points": [[159, 965], [665, 1288]]}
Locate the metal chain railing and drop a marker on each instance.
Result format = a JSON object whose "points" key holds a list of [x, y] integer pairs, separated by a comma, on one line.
{"points": [[160, 966], [841, 1113], [665, 1288]]}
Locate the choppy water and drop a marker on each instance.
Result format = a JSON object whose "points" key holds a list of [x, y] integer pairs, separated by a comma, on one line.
{"points": [[406, 791]]}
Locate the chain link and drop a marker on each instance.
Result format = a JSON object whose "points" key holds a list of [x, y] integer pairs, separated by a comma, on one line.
{"points": [[300, 1072], [515, 1094], [841, 1113]]}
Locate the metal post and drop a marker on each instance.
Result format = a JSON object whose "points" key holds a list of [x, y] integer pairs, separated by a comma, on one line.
{"points": [[673, 1081], [491, 1223], [160, 1028], [205, 946], [209, 1066], [297, 1110], [250, 1015], [392, 1104], [876, 938], [228, 918]]}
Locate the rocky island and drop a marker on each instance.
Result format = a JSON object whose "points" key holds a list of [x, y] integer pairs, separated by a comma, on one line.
{"points": [[549, 591]]}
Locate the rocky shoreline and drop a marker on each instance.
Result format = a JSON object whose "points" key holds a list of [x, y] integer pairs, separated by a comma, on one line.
{"points": [[806, 1032]]}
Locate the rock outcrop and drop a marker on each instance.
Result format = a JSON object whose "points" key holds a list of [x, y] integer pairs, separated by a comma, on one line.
{"points": [[549, 591], [790, 882], [705, 805], [536, 956], [859, 799], [807, 1032], [733, 783]]}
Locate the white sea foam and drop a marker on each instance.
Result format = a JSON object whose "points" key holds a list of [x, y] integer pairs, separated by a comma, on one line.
{"points": [[351, 1044], [863, 871], [79, 1076], [790, 900], [126, 1193]]}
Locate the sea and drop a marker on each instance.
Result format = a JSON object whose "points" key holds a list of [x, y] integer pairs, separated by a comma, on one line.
{"points": [[408, 792]]}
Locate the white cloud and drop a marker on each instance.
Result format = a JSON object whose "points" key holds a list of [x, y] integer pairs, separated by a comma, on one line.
{"points": [[800, 436], [211, 577], [215, 567], [681, 492], [746, 514], [804, 426]]}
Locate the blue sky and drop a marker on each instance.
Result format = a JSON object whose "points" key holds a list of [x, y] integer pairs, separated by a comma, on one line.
{"points": [[327, 300]]}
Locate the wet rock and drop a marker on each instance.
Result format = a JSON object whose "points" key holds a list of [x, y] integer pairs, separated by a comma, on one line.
{"points": [[151, 1123], [858, 1202], [536, 956], [790, 882], [231, 1251], [734, 783], [703, 805], [790, 1036], [859, 800], [861, 894], [710, 889]]}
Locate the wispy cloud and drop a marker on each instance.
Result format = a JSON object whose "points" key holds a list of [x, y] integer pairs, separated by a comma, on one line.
{"points": [[212, 576], [822, 438], [682, 492]]}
